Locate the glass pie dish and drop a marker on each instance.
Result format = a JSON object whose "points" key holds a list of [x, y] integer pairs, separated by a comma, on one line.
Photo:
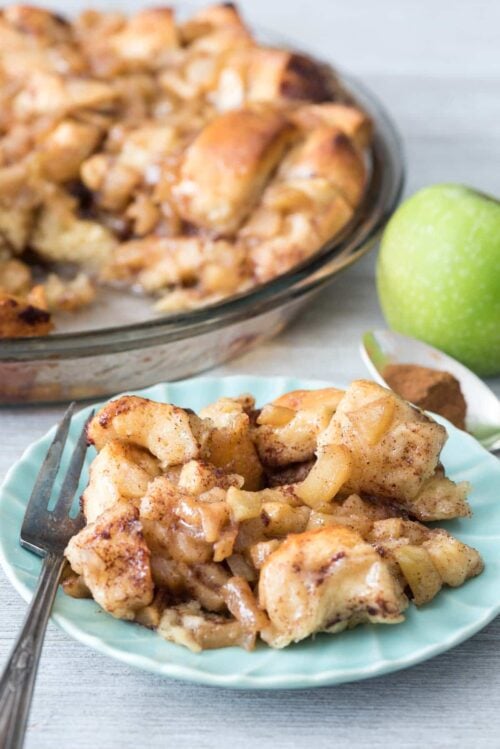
{"points": [[102, 357]]}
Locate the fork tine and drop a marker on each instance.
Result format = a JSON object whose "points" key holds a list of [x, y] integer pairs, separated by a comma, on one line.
{"points": [[44, 482], [72, 477]]}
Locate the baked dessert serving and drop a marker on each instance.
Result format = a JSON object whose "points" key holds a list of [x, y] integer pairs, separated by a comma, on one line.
{"points": [[307, 515], [179, 158]]}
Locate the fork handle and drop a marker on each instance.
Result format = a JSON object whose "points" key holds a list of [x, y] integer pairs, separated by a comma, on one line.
{"points": [[18, 678]]}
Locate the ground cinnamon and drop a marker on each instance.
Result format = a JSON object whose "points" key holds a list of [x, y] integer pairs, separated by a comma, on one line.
{"points": [[430, 389]]}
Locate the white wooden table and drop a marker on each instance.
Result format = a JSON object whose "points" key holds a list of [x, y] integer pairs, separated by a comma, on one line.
{"points": [[437, 67]]}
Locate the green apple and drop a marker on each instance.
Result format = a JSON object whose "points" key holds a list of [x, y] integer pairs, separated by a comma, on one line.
{"points": [[438, 273]]}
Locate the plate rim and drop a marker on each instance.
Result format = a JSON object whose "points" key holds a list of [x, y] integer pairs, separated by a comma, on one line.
{"points": [[238, 680]]}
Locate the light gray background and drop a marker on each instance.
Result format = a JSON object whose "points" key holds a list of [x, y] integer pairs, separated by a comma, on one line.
{"points": [[436, 65]]}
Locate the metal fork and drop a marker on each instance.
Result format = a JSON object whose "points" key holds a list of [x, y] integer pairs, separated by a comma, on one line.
{"points": [[46, 532]]}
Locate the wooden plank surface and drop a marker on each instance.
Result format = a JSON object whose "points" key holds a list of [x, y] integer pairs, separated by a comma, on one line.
{"points": [[437, 68]]}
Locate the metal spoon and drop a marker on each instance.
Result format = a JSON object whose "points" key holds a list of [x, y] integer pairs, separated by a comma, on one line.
{"points": [[382, 347]]}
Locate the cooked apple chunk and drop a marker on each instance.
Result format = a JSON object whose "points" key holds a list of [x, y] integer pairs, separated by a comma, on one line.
{"points": [[440, 498], [353, 512], [229, 445], [59, 235], [16, 221], [180, 526], [330, 472], [419, 572], [427, 557], [395, 449], [287, 429], [455, 561], [187, 624]]}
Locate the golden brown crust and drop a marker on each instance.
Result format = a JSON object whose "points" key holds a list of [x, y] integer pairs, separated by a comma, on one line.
{"points": [[168, 432], [19, 319], [37, 22], [211, 19], [114, 561], [114, 44], [307, 399], [277, 73], [328, 153], [224, 170], [146, 38], [351, 120], [66, 147], [324, 580]]}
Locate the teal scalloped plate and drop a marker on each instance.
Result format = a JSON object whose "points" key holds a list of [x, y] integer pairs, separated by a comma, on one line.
{"points": [[366, 651]]}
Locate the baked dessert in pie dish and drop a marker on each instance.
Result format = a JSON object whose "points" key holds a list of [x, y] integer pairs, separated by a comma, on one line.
{"points": [[307, 515], [180, 158], [93, 252]]}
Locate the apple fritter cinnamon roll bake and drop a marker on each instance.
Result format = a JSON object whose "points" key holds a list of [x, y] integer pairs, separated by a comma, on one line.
{"points": [[307, 515], [180, 158]]}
